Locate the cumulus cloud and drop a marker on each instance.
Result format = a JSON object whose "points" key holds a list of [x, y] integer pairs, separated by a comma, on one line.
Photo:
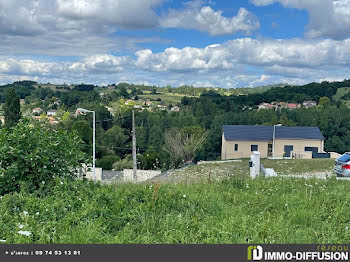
{"points": [[127, 14], [100, 64], [205, 19], [328, 18], [248, 51], [188, 58], [72, 27], [29, 67], [239, 62]]}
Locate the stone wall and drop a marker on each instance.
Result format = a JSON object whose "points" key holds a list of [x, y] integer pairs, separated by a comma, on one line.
{"points": [[142, 175]]}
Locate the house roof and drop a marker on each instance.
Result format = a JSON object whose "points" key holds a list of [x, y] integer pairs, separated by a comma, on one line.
{"points": [[265, 133]]}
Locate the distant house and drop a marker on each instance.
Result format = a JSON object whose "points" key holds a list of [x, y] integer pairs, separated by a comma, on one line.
{"points": [[37, 110], [175, 109], [309, 104], [293, 106], [52, 120], [162, 107], [51, 113], [238, 141], [78, 112], [266, 106]]}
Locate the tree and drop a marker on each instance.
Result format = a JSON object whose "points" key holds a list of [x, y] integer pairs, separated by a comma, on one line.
{"points": [[107, 162], [12, 108], [324, 101], [33, 154], [183, 144], [115, 139]]}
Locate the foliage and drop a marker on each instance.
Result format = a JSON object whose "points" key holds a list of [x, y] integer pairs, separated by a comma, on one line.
{"points": [[234, 211], [32, 154], [183, 144], [12, 108], [84, 87], [107, 162], [122, 164]]}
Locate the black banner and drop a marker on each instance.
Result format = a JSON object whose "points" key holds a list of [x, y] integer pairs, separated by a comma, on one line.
{"points": [[154, 253]]}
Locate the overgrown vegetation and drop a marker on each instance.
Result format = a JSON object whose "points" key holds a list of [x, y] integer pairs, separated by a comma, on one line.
{"points": [[236, 210], [32, 154]]}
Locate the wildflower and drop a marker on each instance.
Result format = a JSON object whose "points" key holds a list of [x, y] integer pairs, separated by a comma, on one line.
{"points": [[43, 182], [21, 226], [26, 233], [256, 193], [61, 183], [25, 213], [2, 240], [37, 213], [286, 204], [184, 196], [79, 199]]}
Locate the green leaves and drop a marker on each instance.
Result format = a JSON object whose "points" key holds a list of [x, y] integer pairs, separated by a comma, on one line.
{"points": [[34, 153]]}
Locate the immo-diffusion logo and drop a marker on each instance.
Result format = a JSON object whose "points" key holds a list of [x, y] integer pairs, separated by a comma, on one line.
{"points": [[255, 253], [332, 253]]}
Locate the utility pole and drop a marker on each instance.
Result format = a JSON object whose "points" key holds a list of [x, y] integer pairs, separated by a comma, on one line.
{"points": [[134, 147]]}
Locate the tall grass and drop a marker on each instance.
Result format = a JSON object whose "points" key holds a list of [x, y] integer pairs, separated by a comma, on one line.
{"points": [[235, 210]]}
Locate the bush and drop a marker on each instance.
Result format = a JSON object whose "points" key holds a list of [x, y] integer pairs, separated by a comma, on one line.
{"points": [[107, 162], [125, 163], [32, 154]]}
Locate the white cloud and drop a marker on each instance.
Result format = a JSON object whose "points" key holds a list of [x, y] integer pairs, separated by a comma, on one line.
{"points": [[188, 58], [265, 53], [328, 18], [72, 27], [239, 62], [126, 14], [100, 64], [206, 19], [20, 17], [29, 67]]}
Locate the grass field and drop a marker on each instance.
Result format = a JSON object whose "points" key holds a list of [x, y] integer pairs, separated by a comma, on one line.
{"points": [[340, 92], [167, 98], [235, 210], [219, 171]]}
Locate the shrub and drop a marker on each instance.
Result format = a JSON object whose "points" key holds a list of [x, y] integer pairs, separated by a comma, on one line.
{"points": [[107, 162], [33, 153], [125, 163]]}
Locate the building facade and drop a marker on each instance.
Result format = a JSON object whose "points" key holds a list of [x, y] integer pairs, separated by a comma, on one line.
{"points": [[239, 141]]}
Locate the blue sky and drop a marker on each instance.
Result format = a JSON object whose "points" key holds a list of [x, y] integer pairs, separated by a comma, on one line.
{"points": [[159, 42]]}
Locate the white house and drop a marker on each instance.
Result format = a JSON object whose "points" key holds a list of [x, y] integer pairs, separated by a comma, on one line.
{"points": [[52, 113]]}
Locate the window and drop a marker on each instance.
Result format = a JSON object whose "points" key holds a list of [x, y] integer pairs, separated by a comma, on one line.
{"points": [[344, 158], [312, 149], [254, 148], [236, 147]]}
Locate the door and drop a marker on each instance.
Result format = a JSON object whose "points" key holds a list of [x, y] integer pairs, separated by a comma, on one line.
{"points": [[269, 150], [287, 150]]}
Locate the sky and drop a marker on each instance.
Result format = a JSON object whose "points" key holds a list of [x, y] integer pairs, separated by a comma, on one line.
{"points": [[209, 43]]}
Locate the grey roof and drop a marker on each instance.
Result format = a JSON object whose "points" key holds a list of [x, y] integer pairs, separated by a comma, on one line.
{"points": [[265, 133]]}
